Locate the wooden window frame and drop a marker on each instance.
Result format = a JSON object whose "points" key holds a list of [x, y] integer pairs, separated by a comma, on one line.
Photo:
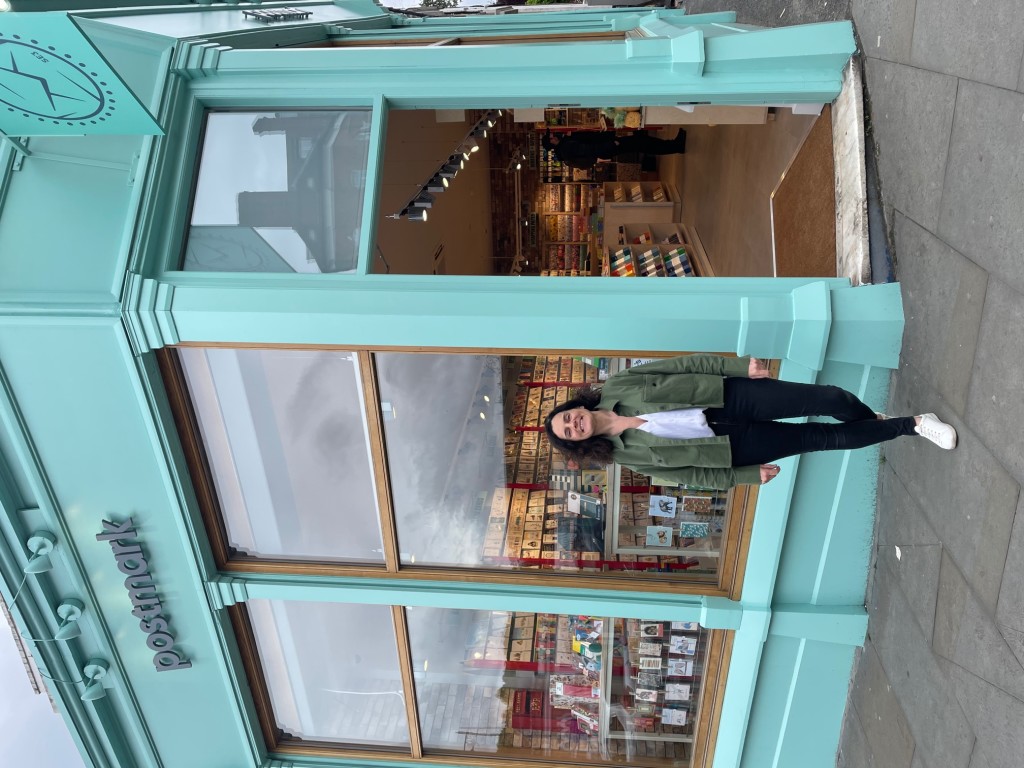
{"points": [[708, 714], [736, 537]]}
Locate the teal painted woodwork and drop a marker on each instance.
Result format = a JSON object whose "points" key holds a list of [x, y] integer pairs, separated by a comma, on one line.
{"points": [[78, 230], [831, 519], [568, 599], [798, 708]]}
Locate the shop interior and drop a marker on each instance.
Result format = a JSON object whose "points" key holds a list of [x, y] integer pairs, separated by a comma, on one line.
{"points": [[751, 196]]}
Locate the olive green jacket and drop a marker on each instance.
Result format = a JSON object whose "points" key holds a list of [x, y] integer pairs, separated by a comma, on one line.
{"points": [[691, 381]]}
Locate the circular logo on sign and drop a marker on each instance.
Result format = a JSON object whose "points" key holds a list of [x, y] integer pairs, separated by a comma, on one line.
{"points": [[38, 81]]}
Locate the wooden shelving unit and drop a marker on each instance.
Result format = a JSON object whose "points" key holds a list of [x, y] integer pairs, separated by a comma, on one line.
{"points": [[655, 250], [568, 224]]}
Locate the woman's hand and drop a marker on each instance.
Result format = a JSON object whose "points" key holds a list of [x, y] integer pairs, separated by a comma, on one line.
{"points": [[758, 369], [768, 471]]}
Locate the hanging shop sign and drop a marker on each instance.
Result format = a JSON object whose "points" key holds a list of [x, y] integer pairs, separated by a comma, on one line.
{"points": [[142, 589], [53, 82]]}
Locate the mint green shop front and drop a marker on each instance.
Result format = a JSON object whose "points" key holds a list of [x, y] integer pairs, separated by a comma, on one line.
{"points": [[91, 291]]}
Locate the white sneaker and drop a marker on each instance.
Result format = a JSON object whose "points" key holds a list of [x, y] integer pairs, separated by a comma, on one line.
{"points": [[940, 433]]}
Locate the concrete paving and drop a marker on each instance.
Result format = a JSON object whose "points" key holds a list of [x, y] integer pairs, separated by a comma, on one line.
{"points": [[940, 682]]}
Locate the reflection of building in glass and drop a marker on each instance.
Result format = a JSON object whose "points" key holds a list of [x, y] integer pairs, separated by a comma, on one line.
{"points": [[326, 166]]}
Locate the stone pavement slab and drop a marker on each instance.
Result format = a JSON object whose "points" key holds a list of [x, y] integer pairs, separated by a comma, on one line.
{"points": [[981, 212], [1010, 608], [885, 28], [949, 34], [919, 682], [969, 637], [978, 759], [995, 407], [952, 598], [994, 716], [943, 299], [968, 497], [912, 111], [884, 725], [917, 569], [904, 522], [854, 751]]}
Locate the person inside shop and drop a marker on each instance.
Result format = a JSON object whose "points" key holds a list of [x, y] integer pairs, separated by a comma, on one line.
{"points": [[709, 421], [584, 149]]}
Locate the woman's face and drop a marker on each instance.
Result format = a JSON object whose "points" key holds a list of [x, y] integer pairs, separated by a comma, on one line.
{"points": [[575, 424]]}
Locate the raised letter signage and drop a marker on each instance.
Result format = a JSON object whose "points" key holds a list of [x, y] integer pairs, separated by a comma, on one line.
{"points": [[142, 591]]}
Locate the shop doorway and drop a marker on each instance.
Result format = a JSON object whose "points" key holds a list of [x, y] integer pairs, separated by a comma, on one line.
{"points": [[480, 192]]}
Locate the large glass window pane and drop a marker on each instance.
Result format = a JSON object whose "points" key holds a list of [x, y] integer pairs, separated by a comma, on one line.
{"points": [[332, 671], [569, 689], [280, 192], [286, 442], [475, 483]]}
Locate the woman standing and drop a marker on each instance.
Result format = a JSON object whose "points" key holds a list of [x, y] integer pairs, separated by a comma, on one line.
{"points": [[709, 421]]}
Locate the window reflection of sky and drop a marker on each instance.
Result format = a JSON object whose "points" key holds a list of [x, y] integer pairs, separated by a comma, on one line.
{"points": [[284, 434], [328, 666], [444, 459], [295, 179]]}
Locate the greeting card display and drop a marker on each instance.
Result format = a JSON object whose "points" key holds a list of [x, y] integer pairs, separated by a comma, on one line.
{"points": [[650, 662], [659, 536], [663, 506], [649, 680], [679, 668], [650, 649], [685, 626], [646, 694], [677, 692], [694, 530], [651, 629], [682, 645], [696, 505], [673, 716]]}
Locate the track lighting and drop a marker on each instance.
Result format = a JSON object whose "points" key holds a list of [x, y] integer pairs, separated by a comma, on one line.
{"points": [[415, 208]]}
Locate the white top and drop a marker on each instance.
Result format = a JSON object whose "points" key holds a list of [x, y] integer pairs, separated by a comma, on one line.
{"points": [[684, 424]]}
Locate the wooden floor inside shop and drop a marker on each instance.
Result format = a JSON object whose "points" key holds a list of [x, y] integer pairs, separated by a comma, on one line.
{"points": [[726, 180]]}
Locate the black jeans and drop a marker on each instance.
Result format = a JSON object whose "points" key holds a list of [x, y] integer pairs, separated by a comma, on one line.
{"points": [[752, 404]]}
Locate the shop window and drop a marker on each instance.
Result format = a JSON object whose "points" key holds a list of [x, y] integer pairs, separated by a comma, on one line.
{"points": [[475, 484], [404, 461], [327, 681], [286, 448], [491, 685], [280, 191]]}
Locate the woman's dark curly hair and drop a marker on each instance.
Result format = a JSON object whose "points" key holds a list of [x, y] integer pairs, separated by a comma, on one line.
{"points": [[593, 450]]}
